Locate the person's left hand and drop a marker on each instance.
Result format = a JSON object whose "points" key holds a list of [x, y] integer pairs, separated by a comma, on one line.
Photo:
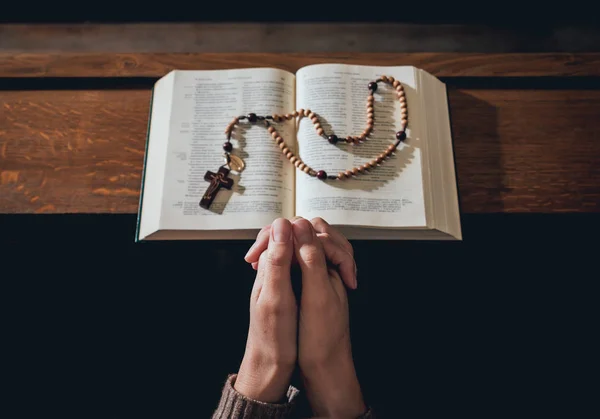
{"points": [[338, 250], [271, 347]]}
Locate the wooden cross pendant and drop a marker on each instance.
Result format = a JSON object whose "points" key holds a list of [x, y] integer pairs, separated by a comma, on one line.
{"points": [[216, 181]]}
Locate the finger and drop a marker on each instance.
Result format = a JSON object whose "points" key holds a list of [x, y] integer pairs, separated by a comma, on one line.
{"points": [[311, 258], [337, 283], [275, 263], [340, 257], [259, 246], [322, 226]]}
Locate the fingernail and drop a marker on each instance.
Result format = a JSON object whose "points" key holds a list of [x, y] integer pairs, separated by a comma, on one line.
{"points": [[303, 231], [250, 250], [281, 230]]}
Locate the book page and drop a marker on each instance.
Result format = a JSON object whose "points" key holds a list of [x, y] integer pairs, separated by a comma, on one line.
{"points": [[391, 195], [204, 103]]}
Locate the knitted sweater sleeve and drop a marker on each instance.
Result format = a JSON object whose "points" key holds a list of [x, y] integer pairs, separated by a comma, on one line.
{"points": [[234, 405]]}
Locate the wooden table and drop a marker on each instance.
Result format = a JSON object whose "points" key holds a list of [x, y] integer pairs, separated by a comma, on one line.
{"points": [[105, 327], [73, 126]]}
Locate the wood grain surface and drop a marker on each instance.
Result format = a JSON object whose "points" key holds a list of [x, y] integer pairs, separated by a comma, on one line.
{"points": [[81, 151], [157, 64], [288, 37]]}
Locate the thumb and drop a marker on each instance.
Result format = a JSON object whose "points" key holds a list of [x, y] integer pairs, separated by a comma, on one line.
{"points": [[275, 263]]}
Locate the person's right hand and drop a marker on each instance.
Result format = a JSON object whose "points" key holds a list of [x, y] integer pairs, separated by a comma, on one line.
{"points": [[324, 350]]}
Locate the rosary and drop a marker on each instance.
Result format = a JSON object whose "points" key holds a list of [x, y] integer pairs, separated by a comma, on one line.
{"points": [[233, 162]]}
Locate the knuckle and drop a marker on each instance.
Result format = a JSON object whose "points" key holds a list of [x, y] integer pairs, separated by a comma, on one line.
{"points": [[326, 237], [319, 223], [278, 258], [312, 256], [271, 309]]}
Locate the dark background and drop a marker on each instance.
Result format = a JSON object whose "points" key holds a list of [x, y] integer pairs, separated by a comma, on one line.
{"points": [[503, 324]]}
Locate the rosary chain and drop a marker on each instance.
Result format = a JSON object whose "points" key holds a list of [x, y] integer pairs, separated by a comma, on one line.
{"points": [[332, 138]]}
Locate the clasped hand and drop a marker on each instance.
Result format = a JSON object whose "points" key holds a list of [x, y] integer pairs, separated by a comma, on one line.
{"points": [[314, 332]]}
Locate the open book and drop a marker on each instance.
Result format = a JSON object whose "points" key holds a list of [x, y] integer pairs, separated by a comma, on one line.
{"points": [[412, 195]]}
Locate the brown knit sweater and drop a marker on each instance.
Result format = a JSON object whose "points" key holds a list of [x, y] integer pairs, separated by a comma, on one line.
{"points": [[234, 405]]}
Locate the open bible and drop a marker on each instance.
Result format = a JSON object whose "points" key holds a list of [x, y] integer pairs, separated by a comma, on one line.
{"points": [[412, 195]]}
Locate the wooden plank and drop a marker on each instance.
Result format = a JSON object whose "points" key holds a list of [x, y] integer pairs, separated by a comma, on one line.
{"points": [[295, 37], [157, 64], [516, 150]]}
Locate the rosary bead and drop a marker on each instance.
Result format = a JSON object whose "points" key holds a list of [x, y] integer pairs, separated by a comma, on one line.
{"points": [[391, 80], [332, 139], [404, 121], [282, 145], [383, 79], [320, 131], [302, 166], [349, 140], [227, 146], [289, 155], [307, 112], [355, 171], [348, 173], [293, 159], [373, 87], [370, 121], [391, 148], [274, 134], [252, 117], [341, 175], [401, 135], [271, 129], [306, 169], [322, 174], [295, 114], [288, 116], [370, 109], [298, 163], [285, 150], [314, 119], [300, 112], [396, 83]]}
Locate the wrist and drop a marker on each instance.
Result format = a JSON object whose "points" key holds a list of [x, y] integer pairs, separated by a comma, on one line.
{"points": [[263, 381], [333, 389]]}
